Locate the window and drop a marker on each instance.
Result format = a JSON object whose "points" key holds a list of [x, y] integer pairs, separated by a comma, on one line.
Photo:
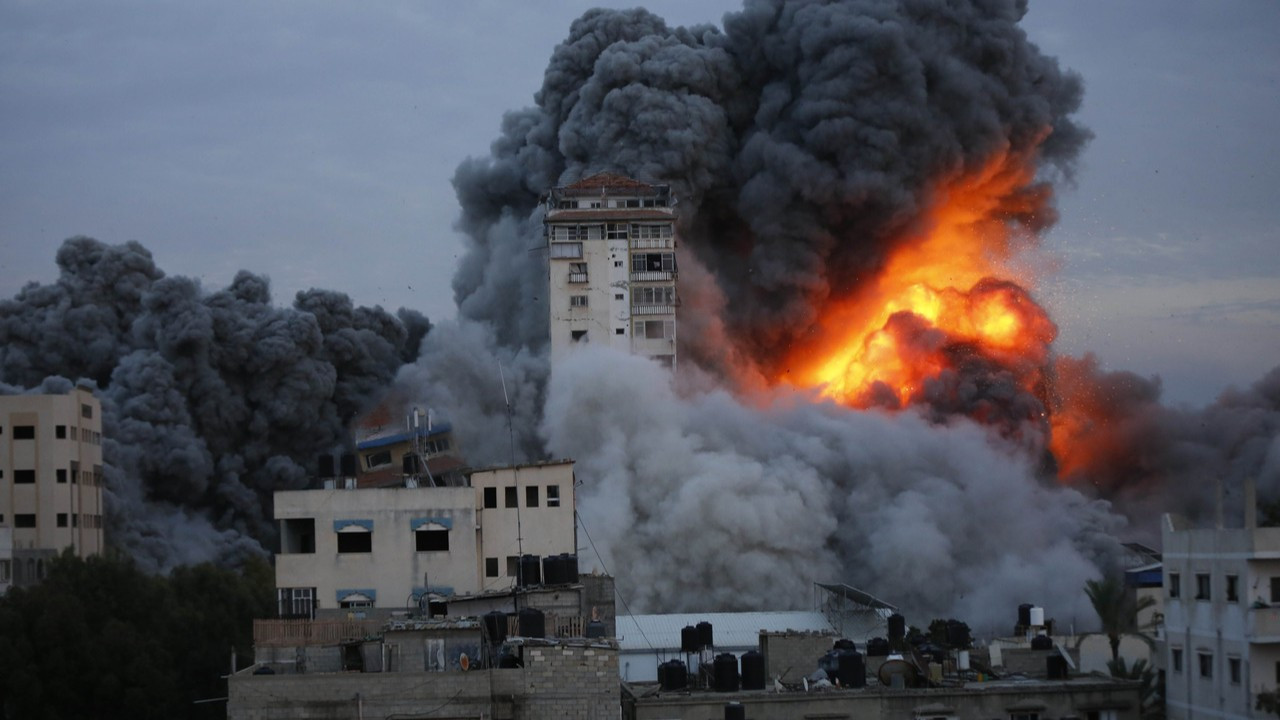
{"points": [[655, 329], [531, 496], [513, 565], [62, 519], [4, 571], [1175, 585], [75, 472], [432, 540], [356, 603], [553, 496], [355, 542], [1275, 589], [299, 536], [1233, 588], [664, 295], [24, 432], [562, 250], [1175, 661], [577, 272], [75, 520], [650, 232], [653, 262], [491, 567], [617, 263], [512, 497], [377, 459], [577, 301], [60, 474], [24, 477], [60, 432], [615, 231], [1024, 716], [620, 331], [491, 497], [296, 602], [1233, 670], [24, 520], [1206, 664], [619, 296], [86, 411], [578, 335], [1203, 589]]}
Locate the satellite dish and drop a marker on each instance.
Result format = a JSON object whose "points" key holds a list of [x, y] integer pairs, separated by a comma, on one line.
{"points": [[464, 662]]}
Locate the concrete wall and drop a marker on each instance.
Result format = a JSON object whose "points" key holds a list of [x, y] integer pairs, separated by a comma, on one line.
{"points": [[577, 681], [790, 656], [977, 701], [542, 530]]}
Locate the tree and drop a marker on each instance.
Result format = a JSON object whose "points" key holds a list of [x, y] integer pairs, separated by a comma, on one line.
{"points": [[1116, 607], [1151, 694]]}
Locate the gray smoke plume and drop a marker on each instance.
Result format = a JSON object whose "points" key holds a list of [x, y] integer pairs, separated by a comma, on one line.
{"points": [[803, 140], [211, 401]]}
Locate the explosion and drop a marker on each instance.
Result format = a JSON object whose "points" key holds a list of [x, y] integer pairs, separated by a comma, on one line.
{"points": [[941, 299]]}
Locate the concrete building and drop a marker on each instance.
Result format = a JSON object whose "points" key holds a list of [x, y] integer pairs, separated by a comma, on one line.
{"points": [[356, 550], [1221, 617], [50, 478], [612, 267], [412, 450]]}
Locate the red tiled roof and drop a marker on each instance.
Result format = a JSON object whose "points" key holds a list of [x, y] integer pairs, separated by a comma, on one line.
{"points": [[608, 181], [597, 215]]}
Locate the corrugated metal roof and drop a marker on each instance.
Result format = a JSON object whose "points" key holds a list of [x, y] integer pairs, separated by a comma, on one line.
{"points": [[392, 435], [730, 630]]}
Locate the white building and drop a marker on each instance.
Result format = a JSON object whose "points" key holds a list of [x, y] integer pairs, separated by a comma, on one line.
{"points": [[50, 478], [1221, 618], [361, 548], [612, 269]]}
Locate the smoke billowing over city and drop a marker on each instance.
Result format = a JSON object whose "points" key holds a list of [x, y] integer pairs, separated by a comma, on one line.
{"points": [[850, 175]]}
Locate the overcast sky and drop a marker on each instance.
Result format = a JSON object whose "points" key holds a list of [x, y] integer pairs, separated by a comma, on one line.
{"points": [[314, 142]]}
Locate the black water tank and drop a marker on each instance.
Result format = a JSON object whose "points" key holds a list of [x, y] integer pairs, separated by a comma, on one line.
{"points": [[1041, 642], [672, 675], [551, 570], [705, 637], [348, 465], [897, 627], [851, 668], [508, 661], [725, 673], [324, 466], [844, 644], [877, 647], [596, 629], [528, 571], [752, 670], [958, 634], [569, 567], [689, 639], [829, 663], [409, 463], [532, 623], [1024, 614], [1056, 667], [495, 626], [735, 711]]}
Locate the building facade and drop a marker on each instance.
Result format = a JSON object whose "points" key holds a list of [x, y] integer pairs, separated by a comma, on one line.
{"points": [[359, 549], [1221, 618], [612, 267], [50, 478]]}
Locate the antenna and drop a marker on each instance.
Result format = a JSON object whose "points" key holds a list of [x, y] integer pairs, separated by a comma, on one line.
{"points": [[515, 475]]}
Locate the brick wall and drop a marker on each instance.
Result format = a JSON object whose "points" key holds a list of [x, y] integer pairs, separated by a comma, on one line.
{"points": [[576, 682]]}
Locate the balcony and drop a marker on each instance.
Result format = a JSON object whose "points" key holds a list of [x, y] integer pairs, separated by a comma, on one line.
{"points": [[577, 278], [653, 276], [652, 243], [1263, 625], [653, 310]]}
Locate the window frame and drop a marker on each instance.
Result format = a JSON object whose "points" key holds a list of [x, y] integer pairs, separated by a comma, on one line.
{"points": [[553, 496], [1175, 585], [489, 500], [1204, 586], [358, 542], [430, 537]]}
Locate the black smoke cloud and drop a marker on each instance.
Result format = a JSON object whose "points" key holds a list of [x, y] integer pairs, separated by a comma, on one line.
{"points": [[211, 400]]}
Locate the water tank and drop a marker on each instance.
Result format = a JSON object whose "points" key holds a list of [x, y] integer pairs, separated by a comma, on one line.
{"points": [[1024, 614], [348, 465], [495, 626], [596, 629], [752, 670], [324, 466], [569, 567], [1037, 617], [897, 627], [877, 647], [735, 711], [851, 669], [532, 623], [689, 639], [552, 570], [724, 672], [706, 638], [1056, 667], [1041, 642], [508, 661], [958, 634], [528, 571], [829, 663], [672, 675], [844, 644]]}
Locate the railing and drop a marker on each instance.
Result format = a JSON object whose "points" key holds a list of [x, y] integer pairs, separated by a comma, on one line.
{"points": [[1264, 623], [651, 243], [561, 626], [652, 276], [577, 277], [653, 310], [289, 633]]}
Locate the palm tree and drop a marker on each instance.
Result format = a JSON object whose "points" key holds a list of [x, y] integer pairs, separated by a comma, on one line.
{"points": [[1116, 608], [1150, 693]]}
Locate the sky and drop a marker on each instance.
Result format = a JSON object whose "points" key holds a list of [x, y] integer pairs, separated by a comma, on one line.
{"points": [[315, 142]]}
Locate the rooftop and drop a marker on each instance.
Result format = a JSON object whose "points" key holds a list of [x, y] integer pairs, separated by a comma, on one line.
{"points": [[602, 183], [730, 630]]}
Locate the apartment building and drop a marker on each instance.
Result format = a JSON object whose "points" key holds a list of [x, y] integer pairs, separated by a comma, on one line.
{"points": [[612, 267], [50, 478]]}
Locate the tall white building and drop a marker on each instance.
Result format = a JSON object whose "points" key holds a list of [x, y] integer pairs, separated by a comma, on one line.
{"points": [[50, 478], [612, 266], [1221, 618]]}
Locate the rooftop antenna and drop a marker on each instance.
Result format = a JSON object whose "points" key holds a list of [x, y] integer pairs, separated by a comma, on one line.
{"points": [[515, 474]]}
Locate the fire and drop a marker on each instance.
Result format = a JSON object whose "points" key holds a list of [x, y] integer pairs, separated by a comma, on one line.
{"points": [[942, 296]]}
